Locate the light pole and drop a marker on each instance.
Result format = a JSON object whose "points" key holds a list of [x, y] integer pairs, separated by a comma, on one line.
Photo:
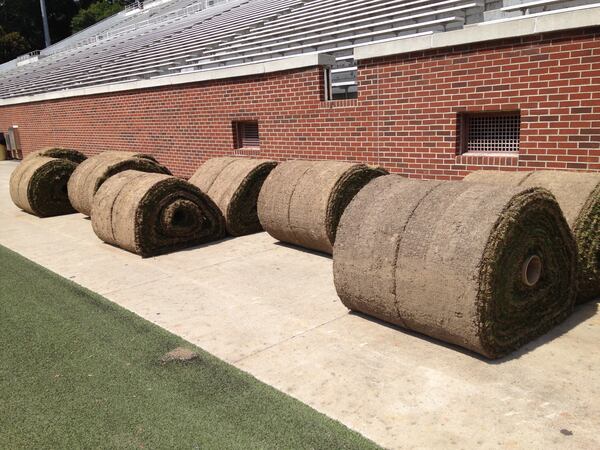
{"points": [[45, 23]]}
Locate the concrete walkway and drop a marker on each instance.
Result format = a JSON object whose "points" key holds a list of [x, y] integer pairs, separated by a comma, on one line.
{"points": [[272, 310]]}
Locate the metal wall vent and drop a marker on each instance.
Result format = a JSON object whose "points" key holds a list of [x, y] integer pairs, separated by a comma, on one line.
{"points": [[490, 132], [246, 134]]}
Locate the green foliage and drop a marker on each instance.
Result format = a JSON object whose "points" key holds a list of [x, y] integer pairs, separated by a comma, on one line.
{"points": [[12, 45], [24, 17], [94, 13]]}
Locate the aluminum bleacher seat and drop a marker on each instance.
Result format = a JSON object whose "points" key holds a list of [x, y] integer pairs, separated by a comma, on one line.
{"points": [[333, 26], [168, 37], [528, 7], [119, 52]]}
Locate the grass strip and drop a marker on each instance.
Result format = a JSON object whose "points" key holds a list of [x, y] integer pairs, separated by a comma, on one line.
{"points": [[78, 371]]}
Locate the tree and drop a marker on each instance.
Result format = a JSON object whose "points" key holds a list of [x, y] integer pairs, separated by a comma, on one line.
{"points": [[24, 18], [94, 13], [12, 45]]}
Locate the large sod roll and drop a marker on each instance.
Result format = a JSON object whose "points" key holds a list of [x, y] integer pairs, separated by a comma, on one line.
{"points": [[151, 214], [578, 194], [60, 153], [301, 202], [485, 267], [39, 186], [90, 175], [234, 184], [129, 154]]}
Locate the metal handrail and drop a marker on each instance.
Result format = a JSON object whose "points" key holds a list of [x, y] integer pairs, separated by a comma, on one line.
{"points": [[188, 10]]}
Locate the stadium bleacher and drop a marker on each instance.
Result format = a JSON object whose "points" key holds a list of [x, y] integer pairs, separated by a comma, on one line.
{"points": [[169, 37]]}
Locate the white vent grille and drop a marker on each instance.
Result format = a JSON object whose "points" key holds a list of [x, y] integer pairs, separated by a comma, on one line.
{"points": [[13, 141], [247, 134], [486, 133]]}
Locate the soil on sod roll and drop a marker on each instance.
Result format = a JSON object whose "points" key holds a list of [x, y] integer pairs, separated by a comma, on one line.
{"points": [[301, 202], [39, 186], [60, 153], [151, 214], [485, 267], [578, 195], [234, 184], [109, 153], [93, 172]]}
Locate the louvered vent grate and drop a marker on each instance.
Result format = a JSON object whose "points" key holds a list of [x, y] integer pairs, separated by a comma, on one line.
{"points": [[484, 133], [247, 134]]}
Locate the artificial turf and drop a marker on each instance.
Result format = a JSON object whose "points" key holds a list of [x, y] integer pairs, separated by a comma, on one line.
{"points": [[77, 371]]}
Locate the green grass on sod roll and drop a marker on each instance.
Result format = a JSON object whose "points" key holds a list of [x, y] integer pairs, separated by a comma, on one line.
{"points": [[77, 371]]}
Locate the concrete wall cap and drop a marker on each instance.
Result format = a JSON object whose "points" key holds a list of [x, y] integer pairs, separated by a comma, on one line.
{"points": [[577, 17], [219, 73]]}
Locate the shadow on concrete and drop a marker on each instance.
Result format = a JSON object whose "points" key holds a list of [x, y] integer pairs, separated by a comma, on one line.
{"points": [[177, 250], [304, 250], [229, 238], [196, 247], [581, 314]]}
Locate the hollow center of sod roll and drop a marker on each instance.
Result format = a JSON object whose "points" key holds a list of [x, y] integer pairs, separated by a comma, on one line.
{"points": [[531, 271], [155, 232], [59, 188], [182, 218]]}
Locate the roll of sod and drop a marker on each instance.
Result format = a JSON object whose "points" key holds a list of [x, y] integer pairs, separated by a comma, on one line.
{"points": [[301, 202], [234, 184], [485, 267], [94, 171], [130, 154], [39, 186], [60, 153], [151, 214], [578, 194]]}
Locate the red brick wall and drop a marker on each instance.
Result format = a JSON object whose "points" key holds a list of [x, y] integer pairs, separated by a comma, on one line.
{"points": [[405, 118]]}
